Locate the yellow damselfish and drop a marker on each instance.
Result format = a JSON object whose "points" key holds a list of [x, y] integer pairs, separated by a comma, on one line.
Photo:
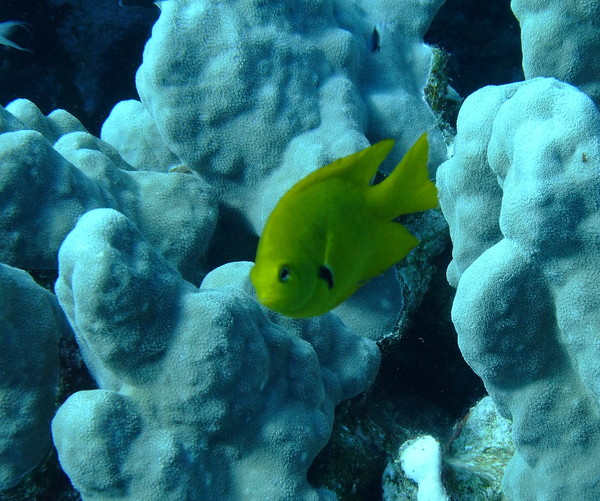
{"points": [[334, 230]]}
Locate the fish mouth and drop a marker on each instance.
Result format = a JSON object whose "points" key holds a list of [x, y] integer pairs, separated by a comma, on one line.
{"points": [[273, 302], [266, 300], [281, 306]]}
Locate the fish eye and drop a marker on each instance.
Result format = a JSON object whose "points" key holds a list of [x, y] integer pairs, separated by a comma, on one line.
{"points": [[284, 273]]}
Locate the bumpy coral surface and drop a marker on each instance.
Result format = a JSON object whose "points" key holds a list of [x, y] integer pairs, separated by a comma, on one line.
{"points": [[53, 171], [204, 393], [561, 39], [254, 95], [527, 164], [31, 323]]}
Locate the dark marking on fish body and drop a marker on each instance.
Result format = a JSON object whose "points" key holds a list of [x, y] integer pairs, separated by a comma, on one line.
{"points": [[326, 274], [375, 41], [136, 3]]}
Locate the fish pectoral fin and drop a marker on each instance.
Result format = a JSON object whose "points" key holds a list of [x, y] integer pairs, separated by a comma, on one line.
{"points": [[392, 244]]}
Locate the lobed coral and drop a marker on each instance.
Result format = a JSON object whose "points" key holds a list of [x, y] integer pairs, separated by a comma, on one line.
{"points": [[31, 323], [521, 197], [527, 162], [560, 39], [205, 394], [202, 393], [253, 96], [67, 171]]}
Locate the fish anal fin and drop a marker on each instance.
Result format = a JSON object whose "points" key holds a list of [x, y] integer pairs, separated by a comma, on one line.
{"points": [[393, 243]]}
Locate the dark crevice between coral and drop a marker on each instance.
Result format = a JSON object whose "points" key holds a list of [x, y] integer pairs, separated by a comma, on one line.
{"points": [[482, 40], [424, 386]]}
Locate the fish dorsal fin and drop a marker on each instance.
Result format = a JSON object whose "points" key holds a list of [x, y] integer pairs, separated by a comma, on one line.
{"points": [[359, 167]]}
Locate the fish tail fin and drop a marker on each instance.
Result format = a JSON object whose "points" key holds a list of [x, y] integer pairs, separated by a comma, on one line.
{"points": [[408, 188]]}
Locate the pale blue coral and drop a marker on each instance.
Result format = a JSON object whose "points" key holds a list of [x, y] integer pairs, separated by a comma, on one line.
{"points": [[527, 164], [204, 393]]}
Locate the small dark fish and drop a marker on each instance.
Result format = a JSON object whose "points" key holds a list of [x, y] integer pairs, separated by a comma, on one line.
{"points": [[136, 3], [375, 41], [6, 29]]}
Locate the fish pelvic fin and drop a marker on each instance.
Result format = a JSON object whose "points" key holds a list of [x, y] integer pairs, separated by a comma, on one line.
{"points": [[408, 188]]}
